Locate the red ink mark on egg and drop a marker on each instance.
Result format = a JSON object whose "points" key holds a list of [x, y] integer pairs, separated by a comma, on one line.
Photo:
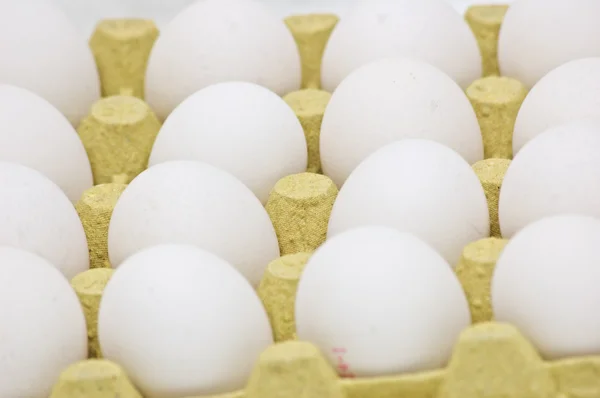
{"points": [[342, 367]]}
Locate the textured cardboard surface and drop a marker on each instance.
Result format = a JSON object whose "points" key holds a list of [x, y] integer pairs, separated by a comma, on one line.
{"points": [[485, 22], [299, 206], [311, 33], [309, 106], [277, 290], [94, 378], [491, 174], [121, 48], [118, 135], [496, 101], [89, 286], [95, 209], [475, 270]]}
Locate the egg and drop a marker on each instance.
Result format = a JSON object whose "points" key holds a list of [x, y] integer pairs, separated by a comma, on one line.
{"points": [[44, 329], [193, 203], [393, 99], [569, 92], [539, 35], [43, 52], [556, 172], [416, 186], [378, 302], [214, 41], [37, 135], [193, 327], [38, 217], [240, 127], [546, 284], [430, 30]]}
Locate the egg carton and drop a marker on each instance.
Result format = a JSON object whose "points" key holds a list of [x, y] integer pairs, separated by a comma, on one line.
{"points": [[489, 360]]}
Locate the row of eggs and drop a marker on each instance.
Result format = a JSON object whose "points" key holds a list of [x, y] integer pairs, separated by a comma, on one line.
{"points": [[251, 133], [248, 43], [183, 321]]}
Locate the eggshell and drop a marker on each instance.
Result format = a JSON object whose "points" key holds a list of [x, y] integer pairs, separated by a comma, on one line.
{"points": [[539, 35], [214, 41], [43, 329], [38, 217], [380, 302], [390, 100], [43, 52], [240, 127], [37, 135], [416, 186], [182, 322], [546, 284], [569, 92], [430, 30], [556, 172], [193, 203]]}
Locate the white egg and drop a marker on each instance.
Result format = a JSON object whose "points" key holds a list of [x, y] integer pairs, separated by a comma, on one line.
{"points": [[43, 52], [546, 284], [194, 203], [380, 302], [182, 322], [37, 135], [240, 127], [556, 172], [569, 92], [43, 327], [389, 100], [38, 217], [430, 30], [540, 35], [214, 41], [417, 186]]}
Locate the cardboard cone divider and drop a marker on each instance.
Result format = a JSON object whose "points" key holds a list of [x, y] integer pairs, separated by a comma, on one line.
{"points": [[121, 48], [277, 290], [89, 286], [474, 270], [496, 101], [309, 106], [95, 209], [490, 359], [299, 206], [311, 33], [485, 22], [491, 174], [118, 135], [94, 378]]}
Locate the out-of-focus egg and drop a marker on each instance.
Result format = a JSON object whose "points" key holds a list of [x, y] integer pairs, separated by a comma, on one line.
{"points": [[44, 328], [546, 284], [38, 217], [37, 135], [539, 35], [569, 92], [43, 52], [430, 30], [214, 41], [557, 172]]}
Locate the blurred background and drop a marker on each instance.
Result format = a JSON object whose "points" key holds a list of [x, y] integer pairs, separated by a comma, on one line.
{"points": [[85, 13]]}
